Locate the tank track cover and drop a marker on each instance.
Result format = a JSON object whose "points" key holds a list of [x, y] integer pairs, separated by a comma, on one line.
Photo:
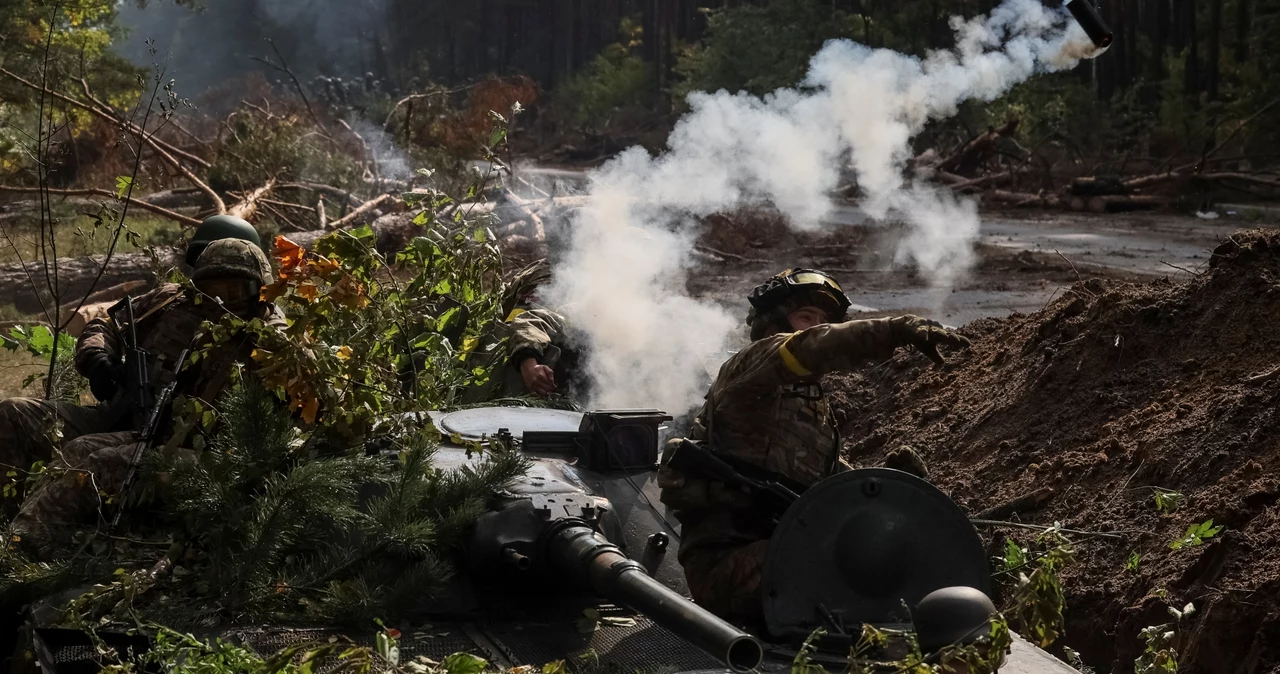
{"points": [[583, 533]]}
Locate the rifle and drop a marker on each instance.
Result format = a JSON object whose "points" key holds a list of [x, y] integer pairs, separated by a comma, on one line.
{"points": [[139, 394], [147, 434], [695, 458]]}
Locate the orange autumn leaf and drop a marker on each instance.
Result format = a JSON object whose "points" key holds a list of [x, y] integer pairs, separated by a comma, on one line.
{"points": [[269, 293], [289, 254], [309, 408], [344, 352], [323, 265], [308, 291]]}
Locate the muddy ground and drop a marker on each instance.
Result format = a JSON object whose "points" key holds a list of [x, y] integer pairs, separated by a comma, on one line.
{"points": [[1114, 366], [1025, 259]]}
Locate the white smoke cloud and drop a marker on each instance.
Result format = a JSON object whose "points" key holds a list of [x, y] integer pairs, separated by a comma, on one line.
{"points": [[625, 289]]}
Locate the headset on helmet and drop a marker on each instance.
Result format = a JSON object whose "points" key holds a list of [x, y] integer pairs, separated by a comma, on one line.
{"points": [[792, 289]]}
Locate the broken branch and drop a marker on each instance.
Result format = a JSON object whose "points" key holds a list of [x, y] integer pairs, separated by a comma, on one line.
{"points": [[359, 211]]}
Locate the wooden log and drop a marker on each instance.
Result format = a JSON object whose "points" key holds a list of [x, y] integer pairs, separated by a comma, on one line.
{"points": [[990, 179], [362, 210], [973, 151], [1023, 199], [1098, 186], [247, 207], [24, 286], [1117, 203]]}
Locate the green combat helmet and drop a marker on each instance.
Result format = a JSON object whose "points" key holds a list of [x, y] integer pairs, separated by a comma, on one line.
{"points": [[217, 227], [232, 258]]}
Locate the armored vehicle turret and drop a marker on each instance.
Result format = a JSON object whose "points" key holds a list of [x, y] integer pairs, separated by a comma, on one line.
{"points": [[576, 561]]}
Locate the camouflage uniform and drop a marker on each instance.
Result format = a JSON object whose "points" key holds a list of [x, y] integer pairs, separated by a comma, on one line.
{"points": [[767, 408], [168, 321], [533, 333], [31, 428]]}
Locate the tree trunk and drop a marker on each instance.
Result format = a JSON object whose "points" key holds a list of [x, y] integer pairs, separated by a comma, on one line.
{"points": [[1242, 31], [1159, 38], [1191, 79], [1215, 49]]}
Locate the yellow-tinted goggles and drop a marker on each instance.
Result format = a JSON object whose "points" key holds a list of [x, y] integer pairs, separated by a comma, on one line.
{"points": [[805, 278], [230, 289]]}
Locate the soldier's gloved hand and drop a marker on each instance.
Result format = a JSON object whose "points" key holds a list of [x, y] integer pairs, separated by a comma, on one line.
{"points": [[103, 376], [926, 336]]}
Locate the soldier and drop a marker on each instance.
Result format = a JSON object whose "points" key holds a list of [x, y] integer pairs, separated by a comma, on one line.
{"points": [[766, 410], [544, 354], [213, 228], [217, 227], [536, 354], [30, 428], [227, 278]]}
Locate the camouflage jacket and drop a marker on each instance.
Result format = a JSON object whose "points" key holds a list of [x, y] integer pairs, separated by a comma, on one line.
{"points": [[766, 407], [527, 329], [168, 321], [533, 333]]}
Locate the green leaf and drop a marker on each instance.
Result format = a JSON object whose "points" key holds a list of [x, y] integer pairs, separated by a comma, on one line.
{"points": [[479, 235], [1167, 500], [464, 663], [1196, 535], [496, 137], [123, 184], [421, 218], [41, 342], [1014, 555]]}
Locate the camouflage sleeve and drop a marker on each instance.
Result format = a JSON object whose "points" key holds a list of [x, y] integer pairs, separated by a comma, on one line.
{"points": [[532, 332], [793, 357], [276, 318], [102, 335], [99, 336]]}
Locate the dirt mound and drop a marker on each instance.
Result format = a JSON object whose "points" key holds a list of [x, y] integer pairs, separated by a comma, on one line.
{"points": [[1110, 391]]}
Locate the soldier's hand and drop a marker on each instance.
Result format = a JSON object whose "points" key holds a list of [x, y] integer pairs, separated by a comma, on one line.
{"points": [[104, 377], [538, 379], [926, 336]]}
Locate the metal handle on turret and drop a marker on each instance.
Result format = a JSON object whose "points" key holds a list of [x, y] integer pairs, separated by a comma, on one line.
{"points": [[583, 551]]}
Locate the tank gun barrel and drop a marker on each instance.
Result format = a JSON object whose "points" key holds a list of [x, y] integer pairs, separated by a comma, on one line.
{"points": [[581, 550]]}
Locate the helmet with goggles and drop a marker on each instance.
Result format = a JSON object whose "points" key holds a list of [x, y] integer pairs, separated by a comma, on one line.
{"points": [[773, 300], [232, 269]]}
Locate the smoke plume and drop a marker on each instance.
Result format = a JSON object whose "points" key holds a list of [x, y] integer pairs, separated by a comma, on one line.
{"points": [[622, 280]]}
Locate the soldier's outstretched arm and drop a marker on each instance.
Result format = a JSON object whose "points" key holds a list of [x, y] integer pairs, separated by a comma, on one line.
{"points": [[532, 332], [834, 347]]}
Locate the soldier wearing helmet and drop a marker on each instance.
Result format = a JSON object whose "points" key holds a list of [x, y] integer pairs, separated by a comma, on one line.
{"points": [[766, 411], [226, 280], [213, 228], [217, 227]]}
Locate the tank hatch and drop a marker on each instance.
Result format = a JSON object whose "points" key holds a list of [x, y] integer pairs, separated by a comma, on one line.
{"points": [[475, 423]]}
